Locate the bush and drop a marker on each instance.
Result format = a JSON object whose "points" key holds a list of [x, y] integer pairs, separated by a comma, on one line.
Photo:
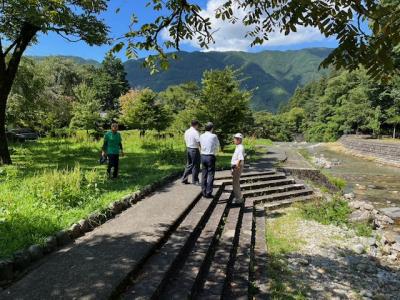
{"points": [[334, 212]]}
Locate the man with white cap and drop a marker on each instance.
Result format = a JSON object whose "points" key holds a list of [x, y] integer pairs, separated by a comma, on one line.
{"points": [[209, 144], [237, 164]]}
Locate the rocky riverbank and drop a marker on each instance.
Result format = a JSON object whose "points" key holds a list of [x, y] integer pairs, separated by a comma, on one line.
{"points": [[332, 262]]}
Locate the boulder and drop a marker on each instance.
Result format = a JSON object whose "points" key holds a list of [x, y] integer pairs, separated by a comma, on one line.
{"points": [[84, 224], [358, 248], [368, 206], [356, 204], [75, 231], [360, 216], [63, 238], [50, 244], [36, 252], [349, 196], [396, 247], [391, 237], [393, 213]]}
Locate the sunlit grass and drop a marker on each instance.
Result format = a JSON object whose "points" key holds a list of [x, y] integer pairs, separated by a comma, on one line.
{"points": [[55, 182]]}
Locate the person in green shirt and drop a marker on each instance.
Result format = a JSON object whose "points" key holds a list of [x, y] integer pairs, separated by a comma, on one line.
{"points": [[111, 148]]}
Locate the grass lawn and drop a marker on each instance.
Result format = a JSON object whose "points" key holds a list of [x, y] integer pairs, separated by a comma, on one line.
{"points": [[55, 182]]}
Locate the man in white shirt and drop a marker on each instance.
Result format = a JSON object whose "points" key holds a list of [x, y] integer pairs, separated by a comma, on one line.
{"points": [[237, 164], [209, 147], [192, 140]]}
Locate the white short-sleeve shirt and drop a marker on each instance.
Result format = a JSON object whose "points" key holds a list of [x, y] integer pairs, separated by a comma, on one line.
{"points": [[192, 138], [238, 154], [209, 143]]}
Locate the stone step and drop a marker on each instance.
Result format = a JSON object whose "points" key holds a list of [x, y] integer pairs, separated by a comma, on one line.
{"points": [[238, 284], [282, 196], [185, 282], [215, 281], [249, 174], [259, 259], [253, 179], [264, 184], [146, 283], [273, 190], [288, 202]]}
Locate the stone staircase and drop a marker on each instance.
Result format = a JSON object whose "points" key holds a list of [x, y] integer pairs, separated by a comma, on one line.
{"points": [[216, 250]]}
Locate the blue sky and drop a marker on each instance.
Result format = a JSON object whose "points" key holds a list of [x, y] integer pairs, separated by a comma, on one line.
{"points": [[228, 37]]}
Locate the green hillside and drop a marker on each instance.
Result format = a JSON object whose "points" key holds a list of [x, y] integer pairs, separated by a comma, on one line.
{"points": [[76, 59], [274, 75]]}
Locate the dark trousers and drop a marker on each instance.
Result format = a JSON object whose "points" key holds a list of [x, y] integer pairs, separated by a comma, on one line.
{"points": [[208, 173], [113, 163], [193, 165]]}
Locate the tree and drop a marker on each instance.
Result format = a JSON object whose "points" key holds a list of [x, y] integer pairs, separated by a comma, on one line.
{"points": [[393, 112], [223, 102], [86, 109], [22, 20], [142, 110], [342, 19], [110, 82]]}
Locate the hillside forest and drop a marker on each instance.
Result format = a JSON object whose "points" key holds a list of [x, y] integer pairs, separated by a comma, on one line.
{"points": [[57, 95]]}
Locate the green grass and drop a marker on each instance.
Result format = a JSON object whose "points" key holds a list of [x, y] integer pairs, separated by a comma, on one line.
{"points": [[55, 182], [282, 238], [264, 142], [334, 212], [340, 183]]}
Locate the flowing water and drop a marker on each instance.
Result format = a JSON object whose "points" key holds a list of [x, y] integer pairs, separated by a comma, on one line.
{"points": [[369, 180]]}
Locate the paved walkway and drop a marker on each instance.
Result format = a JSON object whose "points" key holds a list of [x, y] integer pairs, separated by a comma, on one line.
{"points": [[96, 263]]}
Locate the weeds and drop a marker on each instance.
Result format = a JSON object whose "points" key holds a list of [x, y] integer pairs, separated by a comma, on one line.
{"points": [[54, 182], [334, 212]]}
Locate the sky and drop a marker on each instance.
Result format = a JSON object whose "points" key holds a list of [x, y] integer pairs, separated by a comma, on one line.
{"points": [[229, 37]]}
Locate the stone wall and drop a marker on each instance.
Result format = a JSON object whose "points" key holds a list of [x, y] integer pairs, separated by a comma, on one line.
{"points": [[311, 174], [384, 152]]}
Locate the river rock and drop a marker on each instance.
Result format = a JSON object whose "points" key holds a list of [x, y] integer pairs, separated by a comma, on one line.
{"points": [[391, 237], [356, 204], [368, 206], [359, 216], [349, 196], [358, 248], [396, 247], [36, 252], [393, 213]]}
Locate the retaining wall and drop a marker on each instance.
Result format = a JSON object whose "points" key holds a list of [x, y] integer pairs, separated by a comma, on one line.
{"points": [[384, 152]]}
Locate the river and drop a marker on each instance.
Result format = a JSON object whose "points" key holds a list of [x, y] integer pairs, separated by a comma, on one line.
{"points": [[369, 180]]}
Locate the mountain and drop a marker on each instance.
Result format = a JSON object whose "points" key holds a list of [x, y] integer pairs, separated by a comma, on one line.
{"points": [[273, 75], [75, 59]]}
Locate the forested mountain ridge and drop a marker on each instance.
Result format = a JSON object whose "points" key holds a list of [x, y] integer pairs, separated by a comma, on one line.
{"points": [[273, 75]]}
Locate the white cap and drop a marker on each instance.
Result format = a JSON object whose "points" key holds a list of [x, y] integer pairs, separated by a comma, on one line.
{"points": [[239, 136]]}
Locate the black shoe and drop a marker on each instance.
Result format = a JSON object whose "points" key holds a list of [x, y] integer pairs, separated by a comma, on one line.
{"points": [[197, 183], [185, 182], [209, 196]]}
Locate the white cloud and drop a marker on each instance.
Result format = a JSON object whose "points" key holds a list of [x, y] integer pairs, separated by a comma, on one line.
{"points": [[231, 37]]}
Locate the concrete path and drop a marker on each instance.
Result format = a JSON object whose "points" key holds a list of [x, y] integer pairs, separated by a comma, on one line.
{"points": [[95, 264]]}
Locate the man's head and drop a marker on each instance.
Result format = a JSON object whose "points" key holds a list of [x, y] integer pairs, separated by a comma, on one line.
{"points": [[238, 138], [209, 127], [195, 124], [114, 127]]}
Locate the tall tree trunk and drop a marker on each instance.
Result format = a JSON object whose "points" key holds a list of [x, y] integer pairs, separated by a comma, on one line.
{"points": [[5, 157], [8, 71], [394, 131]]}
